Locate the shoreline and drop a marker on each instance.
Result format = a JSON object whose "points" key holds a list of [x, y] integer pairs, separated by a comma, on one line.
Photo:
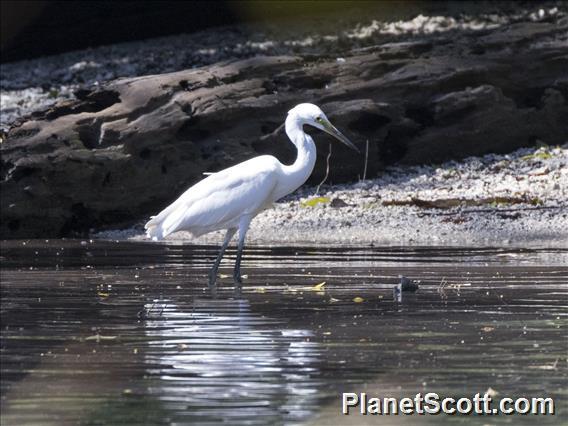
{"points": [[519, 199], [514, 200]]}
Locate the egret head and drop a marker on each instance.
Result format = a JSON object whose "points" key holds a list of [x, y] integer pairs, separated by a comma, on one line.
{"points": [[312, 115]]}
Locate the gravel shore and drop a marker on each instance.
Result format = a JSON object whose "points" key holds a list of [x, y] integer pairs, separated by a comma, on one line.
{"points": [[520, 199]]}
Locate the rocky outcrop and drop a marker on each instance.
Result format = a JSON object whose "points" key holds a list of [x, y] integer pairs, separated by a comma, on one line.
{"points": [[124, 150]]}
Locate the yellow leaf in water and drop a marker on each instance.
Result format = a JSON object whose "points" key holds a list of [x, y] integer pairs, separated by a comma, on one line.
{"points": [[318, 287], [312, 202], [358, 299], [101, 294], [223, 276], [260, 290]]}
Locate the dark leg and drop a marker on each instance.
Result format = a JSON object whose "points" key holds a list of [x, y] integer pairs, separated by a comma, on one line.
{"points": [[243, 228], [215, 268]]}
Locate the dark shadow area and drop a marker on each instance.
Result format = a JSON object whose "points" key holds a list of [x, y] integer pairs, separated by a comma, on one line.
{"points": [[38, 28]]}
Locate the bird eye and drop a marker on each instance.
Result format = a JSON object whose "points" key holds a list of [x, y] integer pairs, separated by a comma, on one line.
{"points": [[319, 119]]}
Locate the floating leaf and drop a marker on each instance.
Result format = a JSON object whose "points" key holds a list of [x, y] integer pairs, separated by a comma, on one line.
{"points": [[223, 276], [101, 294], [318, 287], [260, 290], [315, 201], [358, 299]]}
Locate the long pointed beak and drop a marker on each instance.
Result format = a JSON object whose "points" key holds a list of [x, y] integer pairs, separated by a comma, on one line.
{"points": [[331, 130]]}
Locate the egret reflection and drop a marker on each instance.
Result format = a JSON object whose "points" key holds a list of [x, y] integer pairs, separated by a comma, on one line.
{"points": [[215, 359]]}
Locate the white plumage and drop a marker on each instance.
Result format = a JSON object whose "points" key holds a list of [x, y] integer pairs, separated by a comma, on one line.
{"points": [[220, 200], [229, 199]]}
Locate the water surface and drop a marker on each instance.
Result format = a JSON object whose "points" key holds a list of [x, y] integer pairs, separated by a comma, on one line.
{"points": [[97, 332]]}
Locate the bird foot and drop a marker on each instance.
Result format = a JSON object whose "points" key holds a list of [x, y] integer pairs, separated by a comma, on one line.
{"points": [[212, 279], [237, 279]]}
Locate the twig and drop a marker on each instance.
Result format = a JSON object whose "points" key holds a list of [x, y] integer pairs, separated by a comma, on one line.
{"points": [[326, 171], [519, 209], [366, 159], [273, 133]]}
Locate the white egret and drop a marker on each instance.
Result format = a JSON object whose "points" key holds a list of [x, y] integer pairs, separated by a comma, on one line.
{"points": [[229, 199]]}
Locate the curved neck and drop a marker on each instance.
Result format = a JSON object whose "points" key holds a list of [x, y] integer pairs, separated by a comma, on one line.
{"points": [[298, 172]]}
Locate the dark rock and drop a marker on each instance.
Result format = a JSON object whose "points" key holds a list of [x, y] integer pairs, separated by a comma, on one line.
{"points": [[121, 152], [338, 203]]}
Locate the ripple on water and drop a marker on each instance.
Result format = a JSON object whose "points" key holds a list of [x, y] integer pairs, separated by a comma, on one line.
{"points": [[129, 333]]}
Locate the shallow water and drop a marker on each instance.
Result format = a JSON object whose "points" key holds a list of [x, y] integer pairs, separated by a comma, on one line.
{"points": [[114, 333]]}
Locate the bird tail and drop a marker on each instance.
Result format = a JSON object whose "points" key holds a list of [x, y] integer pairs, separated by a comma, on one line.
{"points": [[165, 223], [154, 230]]}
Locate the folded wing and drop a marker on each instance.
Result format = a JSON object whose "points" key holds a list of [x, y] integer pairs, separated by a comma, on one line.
{"points": [[219, 200]]}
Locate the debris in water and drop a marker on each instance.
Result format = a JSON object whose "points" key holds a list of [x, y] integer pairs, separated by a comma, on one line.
{"points": [[318, 287], [98, 337], [408, 284], [552, 366], [397, 293]]}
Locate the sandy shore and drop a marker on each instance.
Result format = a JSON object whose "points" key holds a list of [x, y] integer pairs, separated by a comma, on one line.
{"points": [[520, 199]]}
